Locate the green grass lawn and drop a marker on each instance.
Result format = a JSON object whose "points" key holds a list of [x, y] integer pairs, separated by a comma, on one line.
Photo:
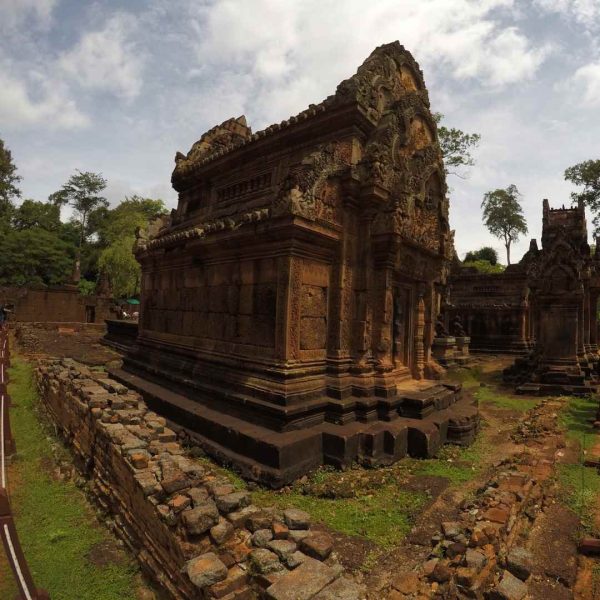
{"points": [[580, 485], [505, 400], [383, 517], [56, 526], [576, 418], [379, 505], [492, 392], [458, 465]]}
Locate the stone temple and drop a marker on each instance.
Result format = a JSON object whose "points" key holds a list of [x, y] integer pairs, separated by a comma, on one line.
{"points": [[544, 307], [289, 302]]}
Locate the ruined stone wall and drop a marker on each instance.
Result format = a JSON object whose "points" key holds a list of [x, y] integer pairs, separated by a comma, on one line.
{"points": [[57, 305], [194, 533], [495, 309]]}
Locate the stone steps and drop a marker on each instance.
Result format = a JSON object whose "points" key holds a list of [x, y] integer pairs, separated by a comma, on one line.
{"points": [[277, 458]]}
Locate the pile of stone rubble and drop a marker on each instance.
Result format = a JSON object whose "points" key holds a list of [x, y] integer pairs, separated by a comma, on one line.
{"points": [[194, 533]]}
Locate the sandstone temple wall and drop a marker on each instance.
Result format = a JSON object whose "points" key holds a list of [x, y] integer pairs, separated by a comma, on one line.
{"points": [[61, 304], [294, 289], [194, 534], [495, 309]]}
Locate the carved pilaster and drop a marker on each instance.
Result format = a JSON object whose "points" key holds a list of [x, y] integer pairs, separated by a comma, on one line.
{"points": [[419, 340]]}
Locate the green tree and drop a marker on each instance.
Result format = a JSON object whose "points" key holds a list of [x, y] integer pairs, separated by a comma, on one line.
{"points": [[486, 253], [82, 193], [456, 146], [484, 266], [34, 256], [503, 216], [123, 220], [123, 269], [116, 235], [8, 183], [587, 174], [37, 214]]}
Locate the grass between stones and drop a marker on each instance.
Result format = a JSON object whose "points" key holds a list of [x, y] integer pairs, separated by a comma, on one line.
{"points": [[503, 400], [581, 487], [487, 387], [457, 465], [383, 516], [580, 484], [56, 526], [380, 504]]}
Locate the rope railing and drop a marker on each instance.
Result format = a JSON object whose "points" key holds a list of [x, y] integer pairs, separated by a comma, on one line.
{"points": [[8, 532]]}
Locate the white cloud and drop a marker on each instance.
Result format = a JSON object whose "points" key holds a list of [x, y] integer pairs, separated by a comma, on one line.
{"points": [[13, 12], [50, 107], [107, 59], [584, 12], [296, 52], [586, 81]]}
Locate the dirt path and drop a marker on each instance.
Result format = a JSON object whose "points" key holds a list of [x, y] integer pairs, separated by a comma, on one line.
{"points": [[498, 423], [537, 445], [522, 439]]}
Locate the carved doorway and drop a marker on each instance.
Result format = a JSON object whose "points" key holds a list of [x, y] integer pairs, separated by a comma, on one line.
{"points": [[402, 327]]}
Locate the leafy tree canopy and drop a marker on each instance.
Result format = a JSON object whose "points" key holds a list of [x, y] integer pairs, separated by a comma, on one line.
{"points": [[124, 219], [503, 216], [34, 256], [82, 193], [485, 266], [456, 146], [86, 287], [37, 214], [587, 174], [123, 269], [486, 253], [8, 183]]}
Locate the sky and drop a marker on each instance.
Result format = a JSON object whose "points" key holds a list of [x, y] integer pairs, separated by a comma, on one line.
{"points": [[117, 87]]}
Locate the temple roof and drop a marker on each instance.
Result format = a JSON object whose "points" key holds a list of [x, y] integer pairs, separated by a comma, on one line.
{"points": [[234, 133]]}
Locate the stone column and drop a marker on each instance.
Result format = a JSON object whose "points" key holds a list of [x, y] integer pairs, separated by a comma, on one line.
{"points": [[593, 326], [363, 289], [419, 345]]}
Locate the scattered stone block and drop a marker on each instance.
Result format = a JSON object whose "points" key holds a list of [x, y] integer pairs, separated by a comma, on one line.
{"points": [[295, 559], [303, 583], [407, 583], [264, 561], [451, 529], [282, 548], [166, 514], [441, 573], [179, 503], [175, 482], [497, 515], [510, 588], [236, 579], [429, 566], [341, 589], [296, 519], [240, 517], [280, 531], [318, 545], [259, 519], [261, 537], [200, 519], [199, 495], [232, 502], [221, 532], [589, 546], [520, 563], [205, 570], [298, 534], [475, 559]]}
